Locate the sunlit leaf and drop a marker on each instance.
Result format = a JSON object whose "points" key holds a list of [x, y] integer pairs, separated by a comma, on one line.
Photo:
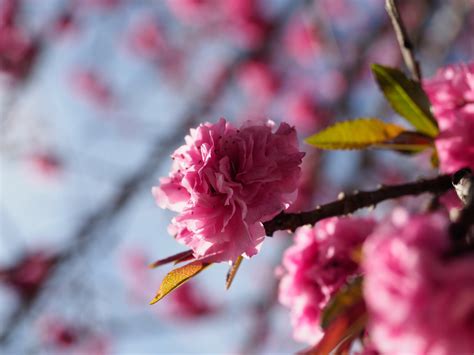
{"points": [[177, 277], [344, 299], [356, 134], [407, 98], [341, 332], [233, 271]]}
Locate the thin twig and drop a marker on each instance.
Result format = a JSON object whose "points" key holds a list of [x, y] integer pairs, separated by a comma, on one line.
{"points": [[356, 201], [404, 42]]}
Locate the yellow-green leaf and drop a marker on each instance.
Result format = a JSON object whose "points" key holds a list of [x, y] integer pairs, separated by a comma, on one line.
{"points": [[233, 271], [356, 134], [407, 98], [177, 277]]}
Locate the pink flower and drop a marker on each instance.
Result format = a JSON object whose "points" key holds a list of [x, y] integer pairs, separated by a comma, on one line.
{"points": [[225, 182], [258, 81], [316, 266], [17, 52], [46, 165], [147, 39], [92, 87], [304, 112], [28, 275], [64, 336], [192, 12], [190, 302], [451, 93], [418, 301], [302, 41]]}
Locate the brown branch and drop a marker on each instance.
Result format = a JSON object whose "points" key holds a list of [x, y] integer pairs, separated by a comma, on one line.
{"points": [[356, 201], [404, 42]]}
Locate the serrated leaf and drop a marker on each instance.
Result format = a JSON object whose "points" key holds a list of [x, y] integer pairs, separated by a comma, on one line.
{"points": [[177, 277], [344, 299], [233, 271], [407, 98], [355, 134]]}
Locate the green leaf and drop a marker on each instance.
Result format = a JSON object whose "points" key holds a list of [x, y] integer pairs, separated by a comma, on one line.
{"points": [[177, 277], [345, 298], [233, 271], [407, 98], [356, 134]]}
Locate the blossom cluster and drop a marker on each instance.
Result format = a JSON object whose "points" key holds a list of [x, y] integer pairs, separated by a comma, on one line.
{"points": [[320, 261], [17, 48], [225, 182], [419, 301], [451, 93]]}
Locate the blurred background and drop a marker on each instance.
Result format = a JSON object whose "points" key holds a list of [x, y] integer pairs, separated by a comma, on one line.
{"points": [[94, 97]]}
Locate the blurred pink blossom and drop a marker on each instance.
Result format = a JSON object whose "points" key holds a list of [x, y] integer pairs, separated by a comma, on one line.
{"points": [[46, 165], [451, 92], [302, 41], [301, 108], [418, 301], [65, 25], [91, 87], [315, 267], [240, 20], [258, 81], [225, 182], [189, 302], [146, 38], [100, 4], [28, 275], [244, 22], [55, 332], [62, 335], [17, 48]]}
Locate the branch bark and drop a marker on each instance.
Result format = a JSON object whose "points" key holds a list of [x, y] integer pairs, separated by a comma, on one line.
{"points": [[356, 201], [406, 46]]}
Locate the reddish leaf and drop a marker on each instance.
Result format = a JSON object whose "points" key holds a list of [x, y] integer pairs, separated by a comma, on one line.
{"points": [[176, 258], [341, 332]]}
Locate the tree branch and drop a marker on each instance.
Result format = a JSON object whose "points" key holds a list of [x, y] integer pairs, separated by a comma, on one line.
{"points": [[356, 201], [404, 42]]}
